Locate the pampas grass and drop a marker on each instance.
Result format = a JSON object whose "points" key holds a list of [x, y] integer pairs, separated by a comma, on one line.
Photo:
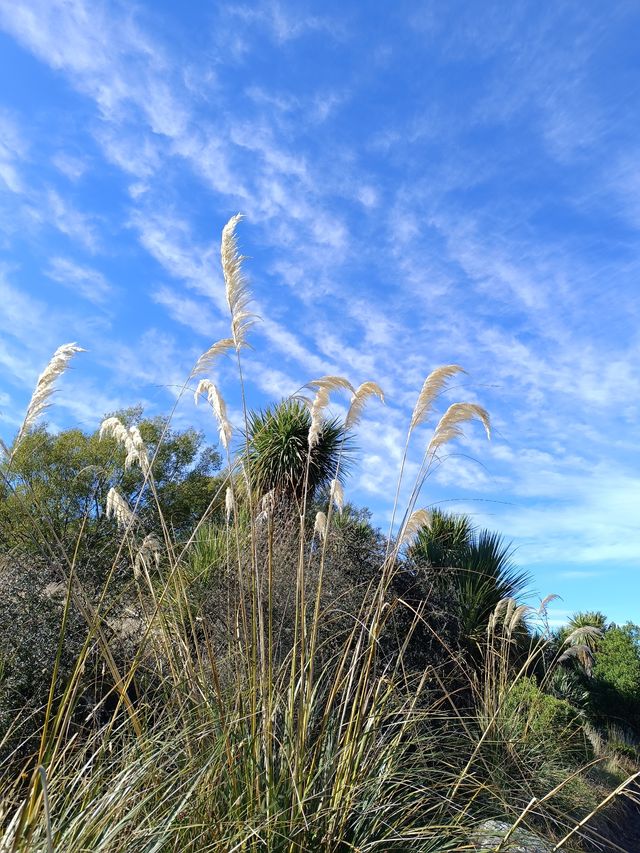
{"points": [[359, 400], [450, 424], [318, 406], [418, 519], [332, 383], [336, 494], [323, 387], [237, 292], [265, 727], [210, 356], [117, 508], [217, 403], [229, 503], [147, 557], [45, 387], [130, 439], [433, 385], [320, 524]]}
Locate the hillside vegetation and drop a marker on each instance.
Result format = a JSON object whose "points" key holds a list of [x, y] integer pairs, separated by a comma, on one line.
{"points": [[212, 649]]}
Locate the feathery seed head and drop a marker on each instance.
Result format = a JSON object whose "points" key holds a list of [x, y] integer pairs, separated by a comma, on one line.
{"points": [[418, 519], [359, 399], [130, 439], [113, 428], [499, 612], [320, 525], [449, 426], [237, 292], [337, 494], [332, 383], [150, 550], [118, 509], [217, 403], [45, 386], [433, 385], [518, 617], [319, 404], [206, 360], [229, 503], [544, 604]]}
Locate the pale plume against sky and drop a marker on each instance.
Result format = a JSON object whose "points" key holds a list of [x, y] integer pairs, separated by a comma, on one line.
{"points": [[423, 183]]}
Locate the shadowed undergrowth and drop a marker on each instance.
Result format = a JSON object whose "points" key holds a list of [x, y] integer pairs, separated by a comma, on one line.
{"points": [[236, 659]]}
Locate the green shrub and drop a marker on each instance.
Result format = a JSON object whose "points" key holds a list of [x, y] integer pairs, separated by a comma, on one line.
{"points": [[617, 663], [261, 682], [540, 722]]}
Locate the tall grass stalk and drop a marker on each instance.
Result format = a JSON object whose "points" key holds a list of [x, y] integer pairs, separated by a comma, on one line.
{"points": [[259, 738]]}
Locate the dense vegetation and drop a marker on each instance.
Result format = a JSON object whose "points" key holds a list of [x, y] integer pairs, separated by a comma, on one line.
{"points": [[205, 650]]}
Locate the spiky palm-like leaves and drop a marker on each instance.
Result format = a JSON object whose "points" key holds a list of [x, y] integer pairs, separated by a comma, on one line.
{"points": [[587, 619], [439, 542], [476, 566], [278, 450]]}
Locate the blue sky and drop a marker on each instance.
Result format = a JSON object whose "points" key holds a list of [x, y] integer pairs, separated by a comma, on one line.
{"points": [[423, 183]]}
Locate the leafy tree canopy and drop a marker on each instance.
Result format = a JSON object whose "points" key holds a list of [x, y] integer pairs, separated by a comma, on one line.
{"points": [[58, 485], [617, 661]]}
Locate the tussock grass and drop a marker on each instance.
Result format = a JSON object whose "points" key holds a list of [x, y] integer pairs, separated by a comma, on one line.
{"points": [[270, 690]]}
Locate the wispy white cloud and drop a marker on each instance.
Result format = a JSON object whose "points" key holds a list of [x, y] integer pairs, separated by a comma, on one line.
{"points": [[140, 157], [169, 240], [93, 47], [75, 224], [13, 148], [287, 343], [89, 283], [190, 312], [283, 23], [487, 219], [71, 165], [22, 317]]}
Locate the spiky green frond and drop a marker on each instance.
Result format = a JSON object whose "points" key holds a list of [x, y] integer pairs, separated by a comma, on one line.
{"points": [[278, 444]]}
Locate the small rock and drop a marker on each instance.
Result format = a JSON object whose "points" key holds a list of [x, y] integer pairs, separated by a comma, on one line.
{"points": [[491, 832]]}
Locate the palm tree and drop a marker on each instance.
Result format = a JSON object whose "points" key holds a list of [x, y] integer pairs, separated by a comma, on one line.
{"points": [[588, 619], [475, 567], [581, 637], [278, 456]]}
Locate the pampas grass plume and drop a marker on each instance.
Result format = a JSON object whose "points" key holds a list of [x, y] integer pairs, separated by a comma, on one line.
{"points": [[205, 386], [118, 508], [229, 503], [449, 426], [320, 525], [149, 551], [433, 385], [206, 360], [45, 386], [332, 383], [319, 404], [337, 494], [130, 439], [237, 292], [418, 519], [359, 399]]}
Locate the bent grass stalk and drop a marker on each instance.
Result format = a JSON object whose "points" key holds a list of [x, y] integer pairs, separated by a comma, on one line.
{"points": [[283, 755]]}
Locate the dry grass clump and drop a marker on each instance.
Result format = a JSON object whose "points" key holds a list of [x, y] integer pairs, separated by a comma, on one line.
{"points": [[274, 692]]}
